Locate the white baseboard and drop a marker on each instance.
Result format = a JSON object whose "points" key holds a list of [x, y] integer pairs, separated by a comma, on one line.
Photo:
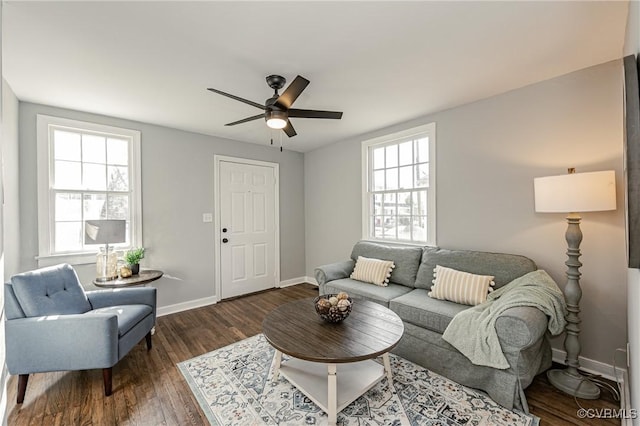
{"points": [[625, 400], [591, 366], [298, 280], [185, 306]]}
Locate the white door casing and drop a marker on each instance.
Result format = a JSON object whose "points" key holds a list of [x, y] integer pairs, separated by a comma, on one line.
{"points": [[247, 208]]}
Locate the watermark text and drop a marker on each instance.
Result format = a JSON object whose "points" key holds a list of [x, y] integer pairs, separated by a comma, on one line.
{"points": [[607, 413]]}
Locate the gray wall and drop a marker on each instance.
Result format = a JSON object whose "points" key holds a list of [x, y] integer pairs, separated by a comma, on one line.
{"points": [[177, 187], [488, 153]]}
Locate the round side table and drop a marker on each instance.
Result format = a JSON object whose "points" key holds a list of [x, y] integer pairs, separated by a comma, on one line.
{"points": [[144, 277]]}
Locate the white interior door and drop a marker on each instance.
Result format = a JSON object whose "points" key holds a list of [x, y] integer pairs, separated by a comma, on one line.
{"points": [[247, 228]]}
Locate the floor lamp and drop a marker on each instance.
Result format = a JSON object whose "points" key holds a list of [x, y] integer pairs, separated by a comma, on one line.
{"points": [[574, 193]]}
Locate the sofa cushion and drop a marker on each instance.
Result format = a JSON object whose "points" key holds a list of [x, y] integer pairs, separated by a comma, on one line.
{"points": [[374, 271], [460, 287], [406, 259], [128, 315], [55, 290], [504, 267], [419, 309], [374, 293]]}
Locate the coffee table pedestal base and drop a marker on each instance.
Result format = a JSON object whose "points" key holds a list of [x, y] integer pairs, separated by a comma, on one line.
{"points": [[332, 386]]}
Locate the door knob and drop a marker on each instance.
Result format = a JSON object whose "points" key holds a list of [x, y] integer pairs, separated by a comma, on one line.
{"points": [[225, 240], [224, 229]]}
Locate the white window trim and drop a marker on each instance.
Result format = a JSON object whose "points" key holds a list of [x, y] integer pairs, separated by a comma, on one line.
{"points": [[45, 175], [430, 130]]}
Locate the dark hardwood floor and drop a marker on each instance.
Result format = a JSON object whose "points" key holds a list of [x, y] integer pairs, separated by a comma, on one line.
{"points": [[148, 389]]}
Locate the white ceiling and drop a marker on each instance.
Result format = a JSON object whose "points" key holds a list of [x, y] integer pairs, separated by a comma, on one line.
{"points": [[382, 63]]}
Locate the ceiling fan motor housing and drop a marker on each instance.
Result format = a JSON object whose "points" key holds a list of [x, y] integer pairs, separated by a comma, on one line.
{"points": [[271, 104]]}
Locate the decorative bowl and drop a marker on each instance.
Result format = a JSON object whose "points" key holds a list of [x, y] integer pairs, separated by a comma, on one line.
{"points": [[332, 313]]}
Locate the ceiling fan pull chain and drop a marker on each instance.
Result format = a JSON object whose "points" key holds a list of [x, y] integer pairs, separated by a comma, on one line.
{"points": [[280, 141]]}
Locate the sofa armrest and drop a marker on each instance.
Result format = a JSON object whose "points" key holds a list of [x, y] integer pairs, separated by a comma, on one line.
{"points": [[61, 342], [123, 296], [521, 327], [334, 271]]}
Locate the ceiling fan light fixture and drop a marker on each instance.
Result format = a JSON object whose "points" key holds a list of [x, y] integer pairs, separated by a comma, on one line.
{"points": [[277, 119], [276, 123]]}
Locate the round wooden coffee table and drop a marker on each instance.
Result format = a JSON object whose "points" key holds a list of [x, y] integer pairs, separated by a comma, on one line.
{"points": [[332, 364]]}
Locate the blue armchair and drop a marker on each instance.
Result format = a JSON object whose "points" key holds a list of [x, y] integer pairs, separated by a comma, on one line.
{"points": [[52, 324]]}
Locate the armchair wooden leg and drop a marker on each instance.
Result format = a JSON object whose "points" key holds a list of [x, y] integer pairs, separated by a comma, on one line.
{"points": [[106, 375], [148, 338], [22, 387]]}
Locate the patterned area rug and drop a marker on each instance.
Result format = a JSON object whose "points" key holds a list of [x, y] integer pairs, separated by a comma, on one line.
{"points": [[233, 386]]}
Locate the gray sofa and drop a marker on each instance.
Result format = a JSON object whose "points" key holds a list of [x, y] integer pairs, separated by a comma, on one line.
{"points": [[521, 330]]}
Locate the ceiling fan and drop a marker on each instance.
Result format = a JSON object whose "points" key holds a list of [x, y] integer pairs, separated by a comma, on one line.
{"points": [[277, 109]]}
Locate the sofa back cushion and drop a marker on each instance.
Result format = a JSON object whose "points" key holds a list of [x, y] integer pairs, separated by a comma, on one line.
{"points": [[406, 259], [504, 267], [55, 290]]}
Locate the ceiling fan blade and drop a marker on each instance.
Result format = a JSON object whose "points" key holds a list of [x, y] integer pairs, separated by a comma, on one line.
{"points": [[289, 130], [244, 120], [292, 92], [237, 98], [312, 113]]}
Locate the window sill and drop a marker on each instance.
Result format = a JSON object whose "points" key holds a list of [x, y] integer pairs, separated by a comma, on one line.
{"points": [[399, 243], [70, 258]]}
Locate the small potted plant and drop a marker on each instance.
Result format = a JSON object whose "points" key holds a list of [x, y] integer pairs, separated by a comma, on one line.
{"points": [[133, 257]]}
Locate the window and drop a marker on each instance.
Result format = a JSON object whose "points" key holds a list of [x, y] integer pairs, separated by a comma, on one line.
{"points": [[86, 171], [399, 187]]}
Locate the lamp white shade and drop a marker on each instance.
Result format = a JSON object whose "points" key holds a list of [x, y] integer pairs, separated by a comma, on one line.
{"points": [[576, 192], [105, 231]]}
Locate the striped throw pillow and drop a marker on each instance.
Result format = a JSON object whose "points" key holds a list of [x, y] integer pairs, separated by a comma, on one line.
{"points": [[460, 287], [374, 271]]}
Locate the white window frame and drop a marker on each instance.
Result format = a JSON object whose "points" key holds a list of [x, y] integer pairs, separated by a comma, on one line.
{"points": [[45, 123], [428, 130]]}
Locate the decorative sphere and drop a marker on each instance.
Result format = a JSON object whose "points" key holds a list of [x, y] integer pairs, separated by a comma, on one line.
{"points": [[322, 306], [343, 305], [125, 272], [324, 303]]}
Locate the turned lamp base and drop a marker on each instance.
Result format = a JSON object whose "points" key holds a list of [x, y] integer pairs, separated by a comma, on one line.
{"points": [[572, 384]]}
